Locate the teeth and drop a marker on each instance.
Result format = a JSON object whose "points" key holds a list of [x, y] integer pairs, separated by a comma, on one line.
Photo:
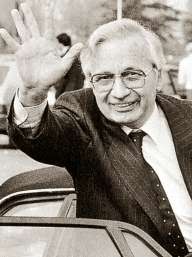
{"points": [[124, 105]]}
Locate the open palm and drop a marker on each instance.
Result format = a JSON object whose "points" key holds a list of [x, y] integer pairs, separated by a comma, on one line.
{"points": [[38, 61]]}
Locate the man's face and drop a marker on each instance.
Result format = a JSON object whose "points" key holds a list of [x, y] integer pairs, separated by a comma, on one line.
{"points": [[119, 103]]}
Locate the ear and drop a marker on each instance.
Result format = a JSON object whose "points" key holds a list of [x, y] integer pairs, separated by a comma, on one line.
{"points": [[87, 83], [159, 81]]}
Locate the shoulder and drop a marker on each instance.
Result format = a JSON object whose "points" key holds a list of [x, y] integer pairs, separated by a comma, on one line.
{"points": [[79, 102], [172, 103], [79, 97], [173, 99]]}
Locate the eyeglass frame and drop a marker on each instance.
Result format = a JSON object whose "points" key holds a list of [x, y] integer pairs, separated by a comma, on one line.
{"points": [[144, 75]]}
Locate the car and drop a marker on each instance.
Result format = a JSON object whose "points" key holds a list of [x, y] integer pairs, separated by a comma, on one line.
{"points": [[38, 219], [45, 192], [72, 237]]}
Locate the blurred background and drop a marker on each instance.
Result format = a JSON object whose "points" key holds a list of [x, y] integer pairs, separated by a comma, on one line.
{"points": [[170, 19]]}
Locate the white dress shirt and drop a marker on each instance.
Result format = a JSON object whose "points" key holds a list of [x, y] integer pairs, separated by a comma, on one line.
{"points": [[158, 150], [28, 117]]}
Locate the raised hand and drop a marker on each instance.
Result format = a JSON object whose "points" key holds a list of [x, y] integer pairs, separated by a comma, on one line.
{"points": [[38, 61]]}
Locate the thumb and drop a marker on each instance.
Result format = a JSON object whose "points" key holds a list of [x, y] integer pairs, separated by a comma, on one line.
{"points": [[71, 55]]}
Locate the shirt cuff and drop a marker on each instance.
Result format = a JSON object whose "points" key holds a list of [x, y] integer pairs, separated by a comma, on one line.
{"points": [[28, 117]]}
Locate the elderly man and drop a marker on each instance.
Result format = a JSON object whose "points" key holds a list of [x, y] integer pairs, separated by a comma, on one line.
{"points": [[127, 148]]}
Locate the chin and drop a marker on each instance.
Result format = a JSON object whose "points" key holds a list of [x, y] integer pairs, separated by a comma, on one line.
{"points": [[119, 119], [127, 119], [122, 118]]}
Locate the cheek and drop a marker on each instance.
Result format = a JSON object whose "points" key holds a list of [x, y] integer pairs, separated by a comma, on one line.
{"points": [[101, 98], [148, 98], [102, 102]]}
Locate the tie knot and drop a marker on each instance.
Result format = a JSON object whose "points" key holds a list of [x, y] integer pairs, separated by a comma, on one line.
{"points": [[137, 138]]}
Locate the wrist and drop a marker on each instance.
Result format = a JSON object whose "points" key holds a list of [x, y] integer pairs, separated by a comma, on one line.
{"points": [[31, 97]]}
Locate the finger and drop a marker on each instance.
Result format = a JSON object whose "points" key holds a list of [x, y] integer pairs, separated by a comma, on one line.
{"points": [[30, 20], [21, 29], [49, 28], [71, 55], [11, 42]]}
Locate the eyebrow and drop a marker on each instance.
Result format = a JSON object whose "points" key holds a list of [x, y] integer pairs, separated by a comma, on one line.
{"points": [[132, 69], [126, 69], [103, 73]]}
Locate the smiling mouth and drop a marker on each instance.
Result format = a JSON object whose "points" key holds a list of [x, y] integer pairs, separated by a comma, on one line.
{"points": [[125, 106]]}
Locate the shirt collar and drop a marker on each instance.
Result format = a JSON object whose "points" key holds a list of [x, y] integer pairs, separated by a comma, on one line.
{"points": [[152, 126]]}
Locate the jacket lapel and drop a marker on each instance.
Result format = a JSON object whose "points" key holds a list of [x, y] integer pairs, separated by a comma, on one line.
{"points": [[127, 176]]}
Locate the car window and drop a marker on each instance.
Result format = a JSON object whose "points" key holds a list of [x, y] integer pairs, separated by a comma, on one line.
{"points": [[45, 208], [137, 246], [57, 242], [40, 203], [74, 237], [39, 209]]}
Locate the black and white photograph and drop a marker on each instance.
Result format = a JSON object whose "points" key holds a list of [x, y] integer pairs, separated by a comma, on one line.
{"points": [[96, 128]]}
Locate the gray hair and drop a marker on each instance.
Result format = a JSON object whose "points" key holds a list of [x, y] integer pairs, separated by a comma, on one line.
{"points": [[121, 29]]}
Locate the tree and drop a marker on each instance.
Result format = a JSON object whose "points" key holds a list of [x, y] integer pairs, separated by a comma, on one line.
{"points": [[80, 17]]}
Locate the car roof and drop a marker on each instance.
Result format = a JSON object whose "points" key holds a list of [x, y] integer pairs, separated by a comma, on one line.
{"points": [[44, 178]]}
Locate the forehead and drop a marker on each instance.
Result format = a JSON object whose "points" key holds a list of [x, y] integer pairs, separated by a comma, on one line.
{"points": [[116, 55]]}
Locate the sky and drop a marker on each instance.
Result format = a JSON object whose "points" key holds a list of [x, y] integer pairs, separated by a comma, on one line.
{"points": [[179, 4]]}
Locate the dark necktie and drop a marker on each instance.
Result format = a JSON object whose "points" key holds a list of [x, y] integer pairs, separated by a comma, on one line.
{"points": [[137, 138], [168, 217]]}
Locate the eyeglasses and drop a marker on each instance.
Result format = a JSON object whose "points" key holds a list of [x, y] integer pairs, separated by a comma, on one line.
{"points": [[132, 79]]}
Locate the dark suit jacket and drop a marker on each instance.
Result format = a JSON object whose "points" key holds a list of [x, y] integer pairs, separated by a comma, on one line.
{"points": [[109, 180]]}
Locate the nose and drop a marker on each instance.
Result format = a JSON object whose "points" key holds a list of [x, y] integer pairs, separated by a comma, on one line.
{"points": [[119, 90]]}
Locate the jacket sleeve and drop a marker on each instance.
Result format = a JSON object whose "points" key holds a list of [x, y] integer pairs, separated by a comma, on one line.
{"points": [[61, 137]]}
